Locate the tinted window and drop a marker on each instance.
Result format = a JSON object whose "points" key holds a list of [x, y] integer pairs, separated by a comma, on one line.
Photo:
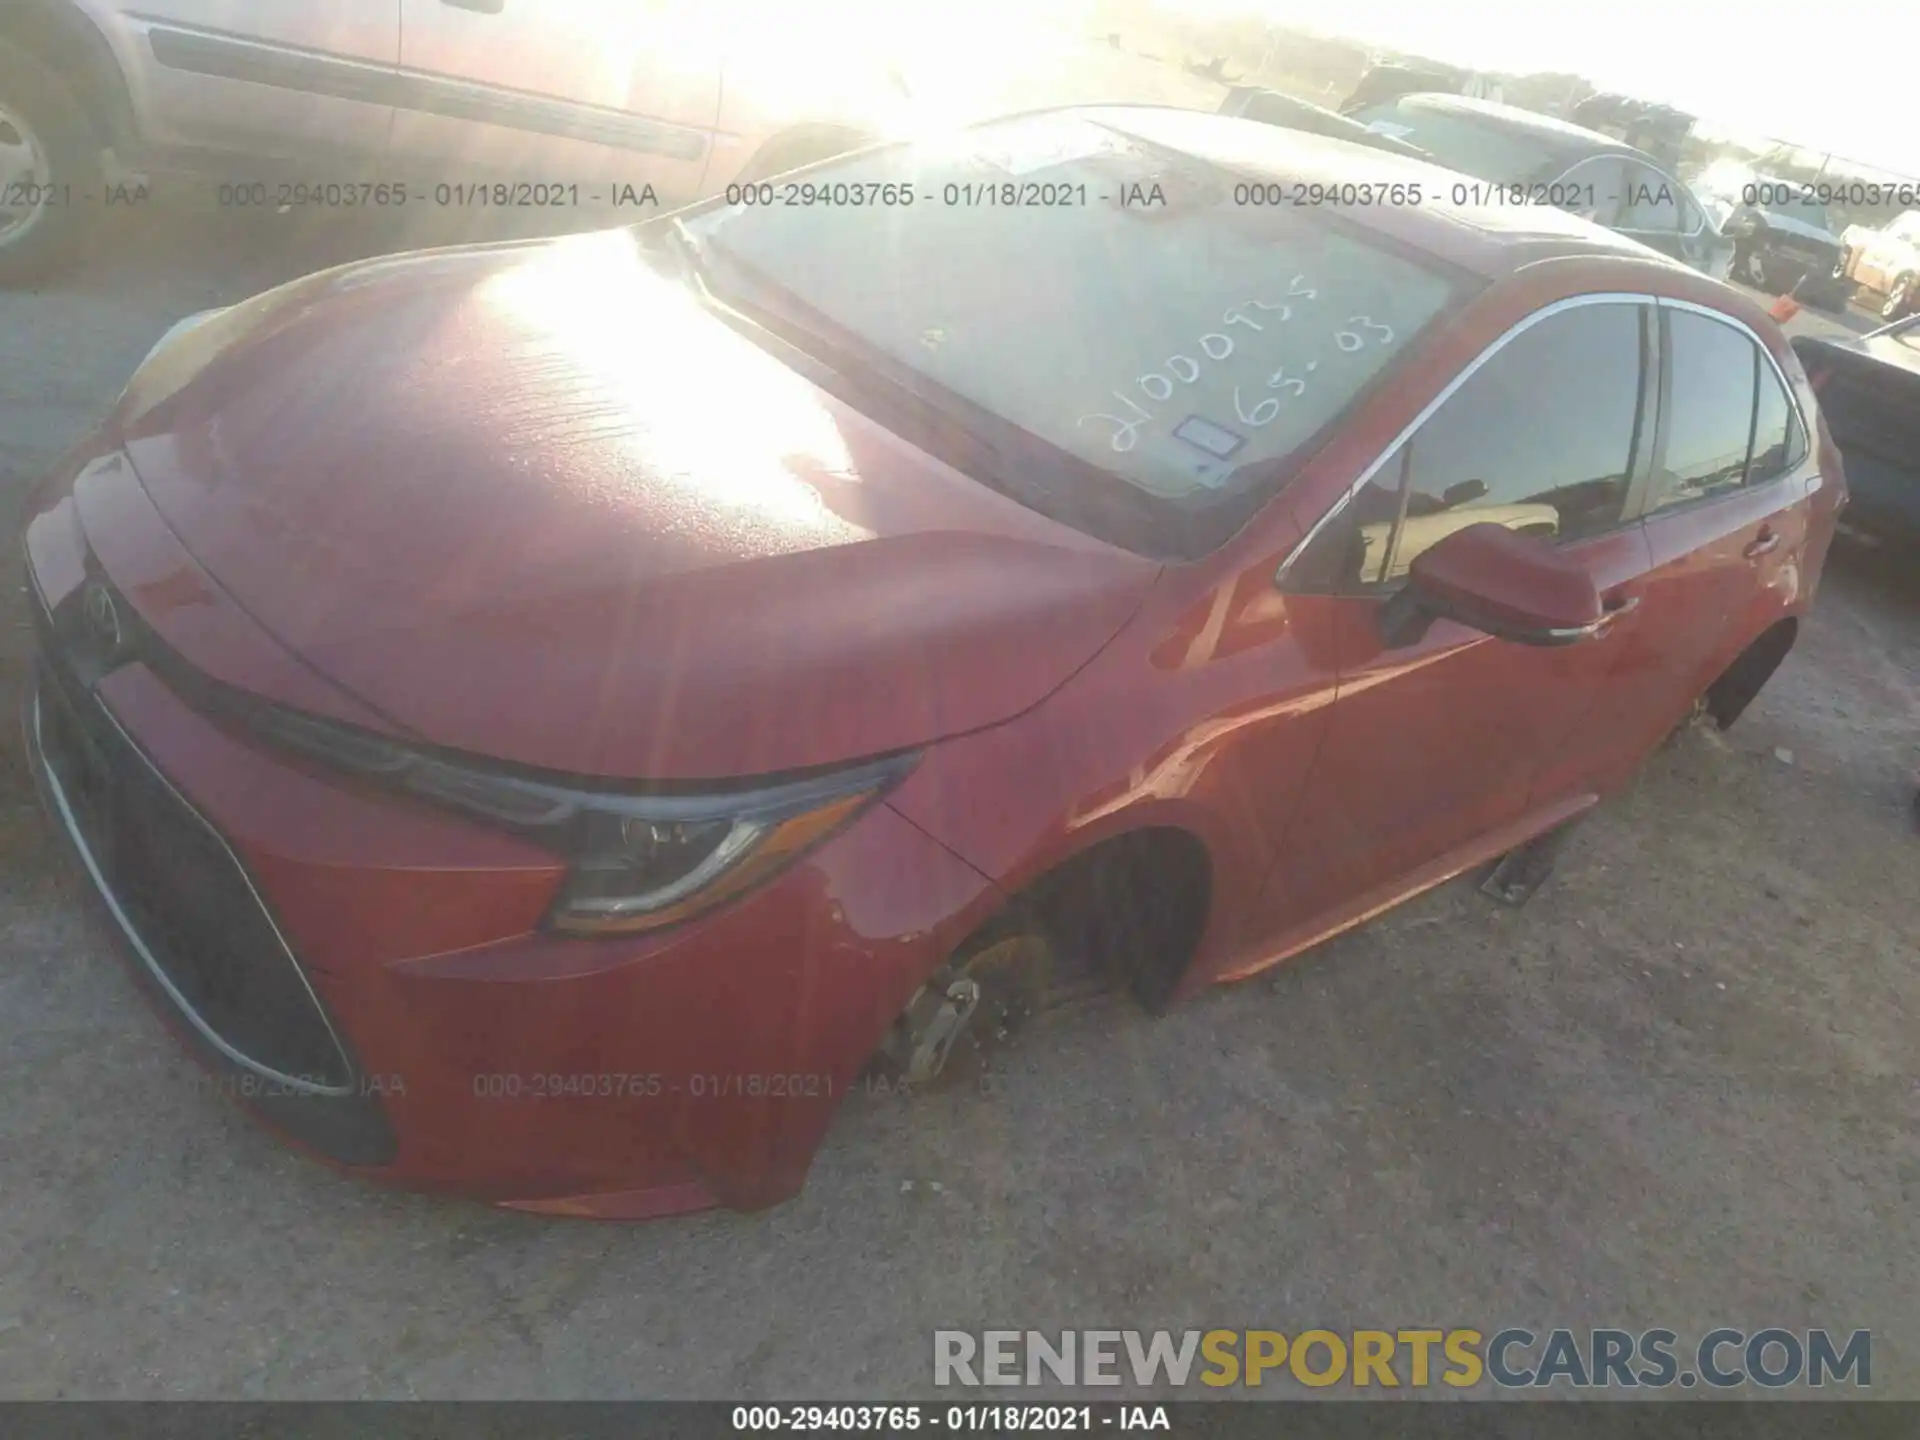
{"points": [[1709, 409], [1539, 439], [1778, 442]]}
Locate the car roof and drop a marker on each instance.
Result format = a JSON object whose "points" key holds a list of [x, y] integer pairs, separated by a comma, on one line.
{"points": [[1489, 240], [1561, 135]]}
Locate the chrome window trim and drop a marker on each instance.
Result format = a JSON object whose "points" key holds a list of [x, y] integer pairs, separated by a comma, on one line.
{"points": [[1467, 372], [57, 793], [1520, 327], [1745, 329]]}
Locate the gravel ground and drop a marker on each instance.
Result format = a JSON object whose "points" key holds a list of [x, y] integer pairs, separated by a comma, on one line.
{"points": [[1678, 1089]]}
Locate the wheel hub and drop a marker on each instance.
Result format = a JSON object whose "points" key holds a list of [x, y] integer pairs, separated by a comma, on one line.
{"points": [[25, 177], [971, 1008]]}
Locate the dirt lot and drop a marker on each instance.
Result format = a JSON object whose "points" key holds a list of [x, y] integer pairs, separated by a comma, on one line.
{"points": [[1678, 1090]]}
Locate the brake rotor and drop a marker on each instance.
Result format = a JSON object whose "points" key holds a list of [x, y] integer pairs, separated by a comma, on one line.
{"points": [[1013, 975], [949, 1034]]}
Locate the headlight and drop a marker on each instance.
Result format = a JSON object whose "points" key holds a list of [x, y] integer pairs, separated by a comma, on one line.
{"points": [[638, 862]]}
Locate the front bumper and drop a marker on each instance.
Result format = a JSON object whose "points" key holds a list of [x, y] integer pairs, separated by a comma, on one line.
{"points": [[368, 975], [210, 950]]}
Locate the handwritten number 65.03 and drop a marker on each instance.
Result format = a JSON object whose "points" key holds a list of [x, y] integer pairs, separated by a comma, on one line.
{"points": [[1263, 412], [1217, 345]]}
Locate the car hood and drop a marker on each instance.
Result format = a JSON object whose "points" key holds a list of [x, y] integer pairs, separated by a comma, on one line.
{"points": [[534, 502]]}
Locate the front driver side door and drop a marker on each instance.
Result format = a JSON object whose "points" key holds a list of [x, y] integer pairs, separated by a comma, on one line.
{"points": [[1435, 746]]}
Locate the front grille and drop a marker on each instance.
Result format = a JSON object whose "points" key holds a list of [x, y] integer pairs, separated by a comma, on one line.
{"points": [[185, 895], [194, 918]]}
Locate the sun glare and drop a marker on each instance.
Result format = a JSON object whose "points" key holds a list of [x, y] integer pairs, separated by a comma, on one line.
{"points": [[760, 444]]}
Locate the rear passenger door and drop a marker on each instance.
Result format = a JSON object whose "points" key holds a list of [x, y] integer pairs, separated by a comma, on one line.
{"points": [[1725, 509]]}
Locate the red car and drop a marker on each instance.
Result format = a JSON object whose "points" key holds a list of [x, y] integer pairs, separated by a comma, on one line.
{"points": [[546, 716]]}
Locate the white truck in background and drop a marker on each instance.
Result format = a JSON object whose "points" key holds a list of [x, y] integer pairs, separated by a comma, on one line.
{"points": [[1885, 262]]}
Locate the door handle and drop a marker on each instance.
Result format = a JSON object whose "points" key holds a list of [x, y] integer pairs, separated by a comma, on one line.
{"points": [[1616, 610], [1765, 543], [484, 7]]}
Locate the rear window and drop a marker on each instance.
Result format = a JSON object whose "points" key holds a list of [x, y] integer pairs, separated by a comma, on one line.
{"points": [[1460, 142], [1105, 299]]}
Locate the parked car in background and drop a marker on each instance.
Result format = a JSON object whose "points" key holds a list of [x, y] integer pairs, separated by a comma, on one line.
{"points": [[1869, 388], [1580, 170], [1272, 107], [385, 103], [1885, 263], [1389, 80], [544, 717], [1659, 130], [1783, 240]]}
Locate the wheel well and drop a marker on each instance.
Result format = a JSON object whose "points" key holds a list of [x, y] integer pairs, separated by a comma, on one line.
{"points": [[1728, 697], [801, 145], [1134, 906], [69, 44]]}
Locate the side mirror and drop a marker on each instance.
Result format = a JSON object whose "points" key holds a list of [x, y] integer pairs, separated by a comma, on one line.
{"points": [[1490, 578]]}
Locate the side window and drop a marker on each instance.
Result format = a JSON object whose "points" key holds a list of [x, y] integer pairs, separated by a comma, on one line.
{"points": [[1540, 439], [1650, 202], [1709, 406], [1596, 189], [1779, 440]]}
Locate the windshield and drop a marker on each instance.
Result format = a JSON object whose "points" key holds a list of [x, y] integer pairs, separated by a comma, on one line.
{"points": [[1143, 355], [1460, 142], [1810, 212]]}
